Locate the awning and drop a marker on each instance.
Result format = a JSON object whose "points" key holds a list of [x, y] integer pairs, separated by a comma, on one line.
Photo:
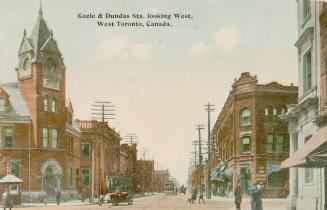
{"points": [[222, 173], [9, 178], [311, 154]]}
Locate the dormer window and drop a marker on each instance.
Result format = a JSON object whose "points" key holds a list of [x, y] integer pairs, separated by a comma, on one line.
{"points": [[306, 8]]}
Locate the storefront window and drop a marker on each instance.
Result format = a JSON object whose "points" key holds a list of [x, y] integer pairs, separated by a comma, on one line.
{"points": [[276, 175]]}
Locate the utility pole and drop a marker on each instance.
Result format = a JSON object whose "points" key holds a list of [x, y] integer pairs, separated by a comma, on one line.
{"points": [[199, 128], [101, 111], [131, 137], [209, 108]]}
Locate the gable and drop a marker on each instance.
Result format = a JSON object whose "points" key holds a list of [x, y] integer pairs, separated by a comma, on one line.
{"points": [[50, 46], [25, 46]]}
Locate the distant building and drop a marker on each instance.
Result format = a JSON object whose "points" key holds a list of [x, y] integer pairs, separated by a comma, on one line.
{"points": [[159, 180], [128, 157], [251, 138], [144, 179]]}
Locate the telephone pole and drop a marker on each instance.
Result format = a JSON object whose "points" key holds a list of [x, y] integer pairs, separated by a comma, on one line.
{"points": [[199, 128], [209, 108], [101, 111]]}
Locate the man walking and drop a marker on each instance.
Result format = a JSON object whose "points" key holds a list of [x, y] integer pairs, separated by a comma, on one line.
{"points": [[238, 195]]}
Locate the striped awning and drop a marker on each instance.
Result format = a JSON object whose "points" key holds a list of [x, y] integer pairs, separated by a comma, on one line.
{"points": [[311, 154]]}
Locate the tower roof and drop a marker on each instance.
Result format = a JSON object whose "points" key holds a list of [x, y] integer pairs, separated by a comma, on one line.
{"points": [[40, 34]]}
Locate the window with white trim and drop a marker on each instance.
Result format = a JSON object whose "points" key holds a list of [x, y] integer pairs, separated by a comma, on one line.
{"points": [[245, 117]]}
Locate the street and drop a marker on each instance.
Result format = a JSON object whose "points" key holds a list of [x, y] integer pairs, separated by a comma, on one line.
{"points": [[169, 202]]}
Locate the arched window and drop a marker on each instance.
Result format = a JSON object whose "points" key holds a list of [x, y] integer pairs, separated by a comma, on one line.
{"points": [[246, 117]]}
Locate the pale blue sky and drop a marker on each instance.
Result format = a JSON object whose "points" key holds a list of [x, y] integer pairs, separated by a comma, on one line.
{"points": [[160, 78]]}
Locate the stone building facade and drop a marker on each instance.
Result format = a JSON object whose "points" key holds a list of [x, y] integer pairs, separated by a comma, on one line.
{"points": [[251, 138], [34, 122], [306, 182]]}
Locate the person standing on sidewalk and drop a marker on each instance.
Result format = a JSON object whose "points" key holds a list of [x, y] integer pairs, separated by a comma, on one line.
{"points": [[256, 193], [58, 196], [6, 199], [238, 195]]}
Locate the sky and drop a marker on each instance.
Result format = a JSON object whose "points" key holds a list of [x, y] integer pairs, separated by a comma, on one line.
{"points": [[159, 78]]}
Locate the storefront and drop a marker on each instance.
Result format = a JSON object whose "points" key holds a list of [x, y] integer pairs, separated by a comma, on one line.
{"points": [[311, 160]]}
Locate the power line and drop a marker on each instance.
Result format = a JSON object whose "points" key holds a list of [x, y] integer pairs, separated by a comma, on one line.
{"points": [[101, 111]]}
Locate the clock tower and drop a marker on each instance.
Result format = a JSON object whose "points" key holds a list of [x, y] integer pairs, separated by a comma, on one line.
{"points": [[41, 78]]}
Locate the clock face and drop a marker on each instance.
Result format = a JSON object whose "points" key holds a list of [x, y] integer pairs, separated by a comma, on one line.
{"points": [[50, 65]]}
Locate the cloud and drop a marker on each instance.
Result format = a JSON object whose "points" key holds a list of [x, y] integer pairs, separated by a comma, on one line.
{"points": [[120, 47], [115, 46], [201, 48], [141, 51], [227, 38], [223, 41]]}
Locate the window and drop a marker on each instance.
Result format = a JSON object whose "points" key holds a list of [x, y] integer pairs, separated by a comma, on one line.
{"points": [[308, 172], [9, 136], [275, 146], [266, 119], [55, 138], [0, 137], [2, 104], [280, 143], [86, 177], [14, 189], [307, 71], [15, 168], [275, 117], [86, 149], [246, 117], [70, 177], [270, 146], [276, 175], [306, 8], [245, 144], [46, 103], [54, 104], [45, 137]]}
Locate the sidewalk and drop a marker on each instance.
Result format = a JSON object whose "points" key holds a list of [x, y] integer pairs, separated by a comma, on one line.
{"points": [[68, 203]]}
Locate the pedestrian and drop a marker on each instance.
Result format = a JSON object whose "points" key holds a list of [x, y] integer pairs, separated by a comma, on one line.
{"points": [[238, 195], [256, 193], [83, 195], [58, 193], [176, 191], [201, 196], [194, 194], [6, 199]]}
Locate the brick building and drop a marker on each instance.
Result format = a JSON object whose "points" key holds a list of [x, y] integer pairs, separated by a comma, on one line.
{"points": [[100, 157], [36, 122], [160, 177], [250, 136], [144, 178], [128, 157]]}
